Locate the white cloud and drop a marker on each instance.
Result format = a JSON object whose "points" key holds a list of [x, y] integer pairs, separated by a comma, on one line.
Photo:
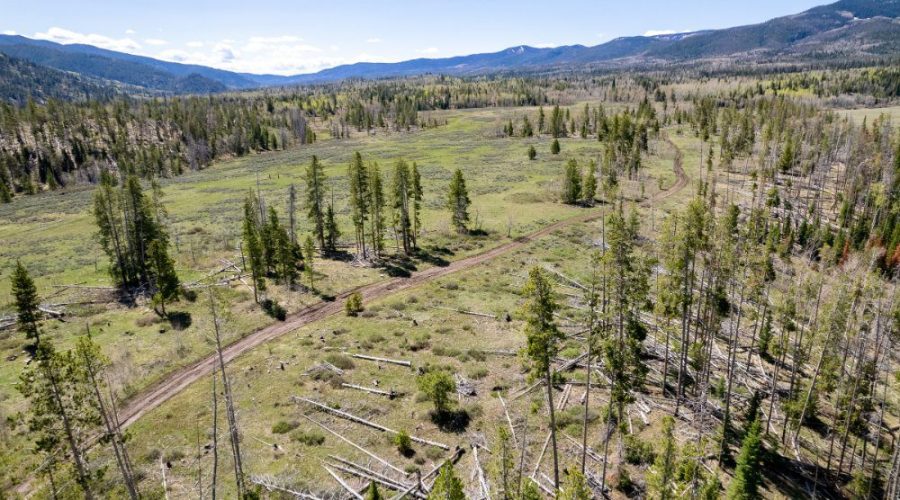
{"points": [[284, 55], [374, 40], [64, 36], [9, 32], [429, 50], [280, 54], [130, 31]]}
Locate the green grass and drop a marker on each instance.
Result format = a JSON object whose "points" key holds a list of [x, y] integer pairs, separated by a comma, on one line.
{"points": [[53, 235]]}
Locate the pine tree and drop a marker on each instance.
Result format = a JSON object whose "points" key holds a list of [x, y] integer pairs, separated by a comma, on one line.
{"points": [[571, 189], [589, 186], [376, 208], [447, 486], [416, 194], [747, 477], [253, 246], [165, 280], [541, 120], [309, 249], [315, 199], [27, 304], [576, 489], [332, 231], [662, 475], [543, 339], [359, 200], [400, 197], [61, 420], [554, 147], [458, 202], [532, 153]]}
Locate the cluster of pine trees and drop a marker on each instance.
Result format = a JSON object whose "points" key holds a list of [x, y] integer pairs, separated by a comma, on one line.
{"points": [[132, 233]]}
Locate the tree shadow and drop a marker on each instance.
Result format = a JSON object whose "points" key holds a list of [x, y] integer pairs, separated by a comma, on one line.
{"points": [[455, 421], [398, 266], [785, 475], [433, 258], [180, 320], [339, 255]]}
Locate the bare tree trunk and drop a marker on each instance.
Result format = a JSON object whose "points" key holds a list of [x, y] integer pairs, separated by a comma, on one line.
{"points": [[229, 407], [552, 427], [215, 437]]}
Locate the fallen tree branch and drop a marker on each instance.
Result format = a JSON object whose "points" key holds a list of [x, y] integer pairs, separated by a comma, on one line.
{"points": [[360, 420], [383, 360]]}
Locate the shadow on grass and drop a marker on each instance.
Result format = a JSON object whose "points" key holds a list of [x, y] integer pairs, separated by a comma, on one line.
{"points": [[398, 266], [455, 421], [180, 320]]}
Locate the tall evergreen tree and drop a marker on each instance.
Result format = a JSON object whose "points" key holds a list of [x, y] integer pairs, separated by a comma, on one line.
{"points": [[315, 199], [27, 304], [589, 186], [458, 202], [662, 475], [309, 249], [165, 281], [571, 189], [359, 200], [416, 194], [747, 474], [62, 420], [376, 208], [253, 246], [543, 339], [332, 231], [400, 191]]}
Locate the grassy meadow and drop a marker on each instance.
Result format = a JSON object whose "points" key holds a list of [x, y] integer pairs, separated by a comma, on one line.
{"points": [[53, 234]]}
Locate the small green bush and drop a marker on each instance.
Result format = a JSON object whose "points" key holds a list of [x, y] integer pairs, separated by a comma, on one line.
{"points": [[354, 304], [403, 443], [308, 438], [283, 427]]}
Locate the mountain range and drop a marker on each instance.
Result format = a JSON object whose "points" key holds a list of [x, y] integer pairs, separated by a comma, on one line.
{"points": [[844, 29]]}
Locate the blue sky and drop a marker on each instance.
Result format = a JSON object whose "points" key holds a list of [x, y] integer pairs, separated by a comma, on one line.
{"points": [[287, 37]]}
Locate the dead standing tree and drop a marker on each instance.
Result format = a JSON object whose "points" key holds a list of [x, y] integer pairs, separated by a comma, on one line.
{"points": [[233, 432]]}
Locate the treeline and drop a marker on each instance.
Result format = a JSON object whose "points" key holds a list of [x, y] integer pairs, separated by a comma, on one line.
{"points": [[57, 144]]}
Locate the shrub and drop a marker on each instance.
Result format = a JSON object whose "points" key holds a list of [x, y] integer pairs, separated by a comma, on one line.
{"points": [[554, 148], [437, 385], [354, 304], [308, 438], [404, 443], [283, 427], [532, 153], [341, 361]]}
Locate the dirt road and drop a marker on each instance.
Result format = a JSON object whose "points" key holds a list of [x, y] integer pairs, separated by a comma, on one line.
{"points": [[178, 380]]}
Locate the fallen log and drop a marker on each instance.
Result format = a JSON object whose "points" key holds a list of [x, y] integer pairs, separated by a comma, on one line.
{"points": [[358, 447], [383, 360], [369, 423], [470, 313], [389, 394], [343, 483]]}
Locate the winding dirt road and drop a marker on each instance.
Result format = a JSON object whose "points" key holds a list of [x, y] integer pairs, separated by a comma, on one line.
{"points": [[181, 378]]}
